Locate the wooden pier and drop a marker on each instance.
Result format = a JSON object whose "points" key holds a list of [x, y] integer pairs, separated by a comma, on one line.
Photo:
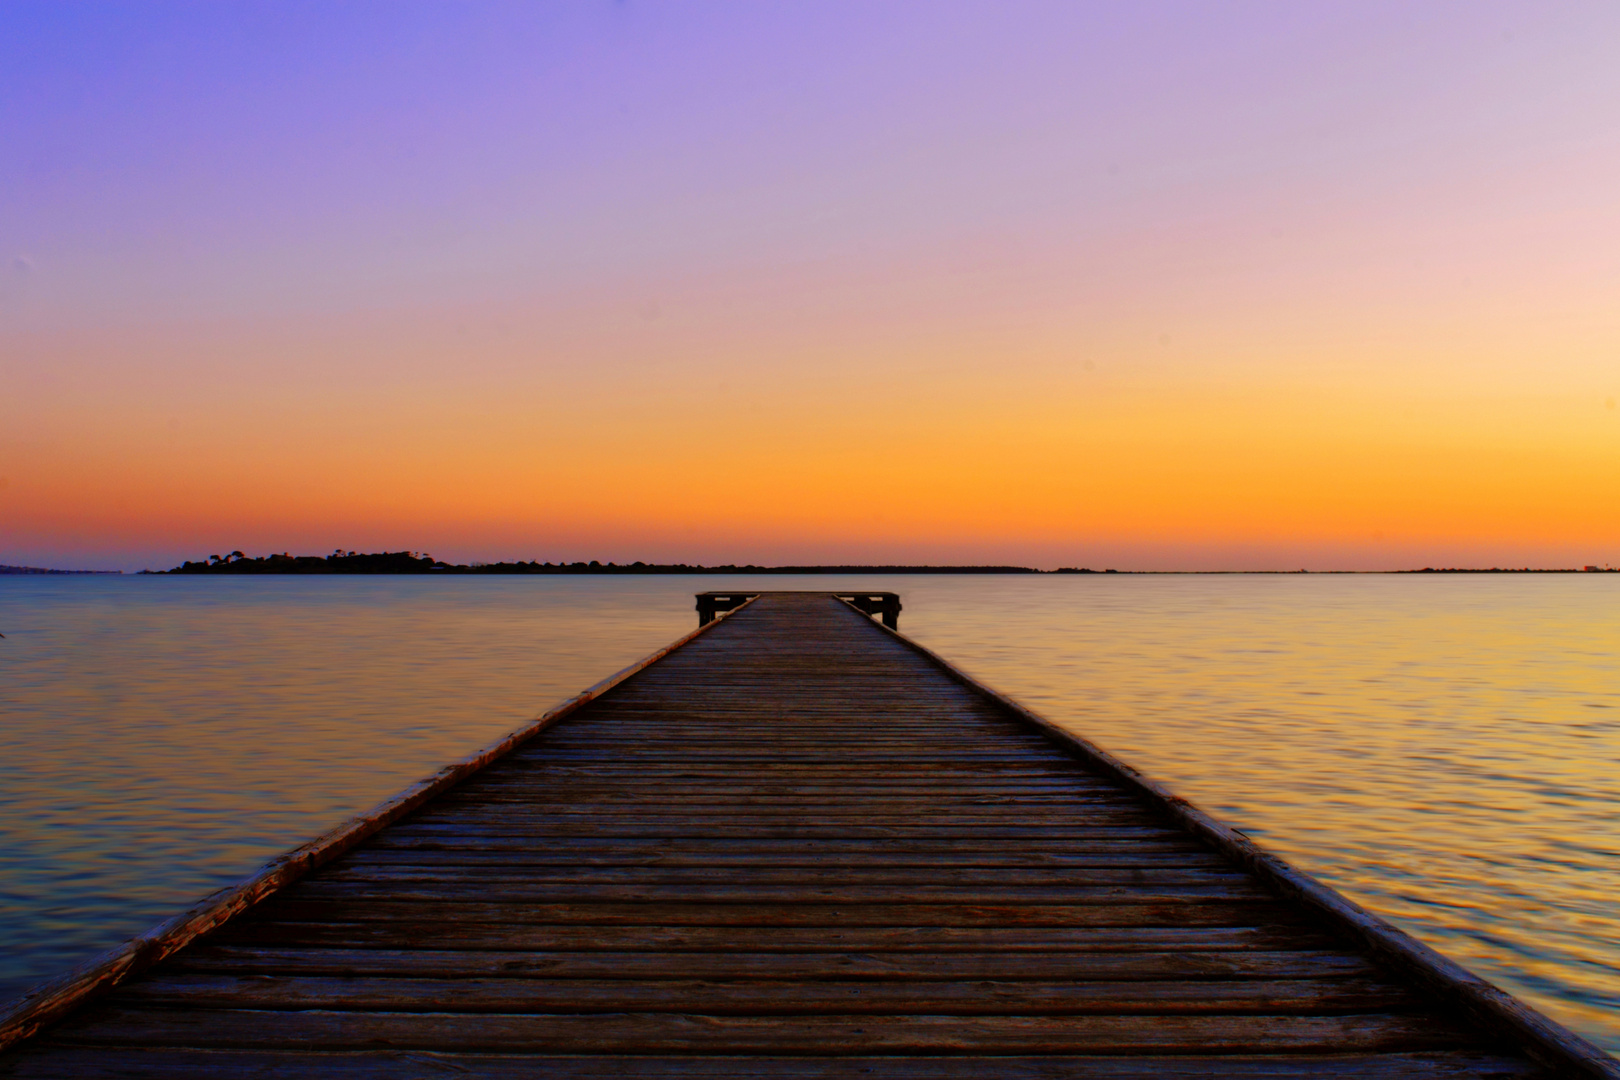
{"points": [[795, 845]]}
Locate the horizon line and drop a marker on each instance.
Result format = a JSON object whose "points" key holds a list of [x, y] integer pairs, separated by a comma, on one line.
{"points": [[350, 563]]}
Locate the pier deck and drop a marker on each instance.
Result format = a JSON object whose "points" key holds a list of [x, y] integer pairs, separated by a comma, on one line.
{"points": [[794, 846]]}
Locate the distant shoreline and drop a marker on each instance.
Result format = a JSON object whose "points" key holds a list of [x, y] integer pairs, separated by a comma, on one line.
{"points": [[408, 562]]}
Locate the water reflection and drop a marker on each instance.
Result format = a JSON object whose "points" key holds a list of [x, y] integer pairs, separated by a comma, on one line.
{"points": [[1445, 749]]}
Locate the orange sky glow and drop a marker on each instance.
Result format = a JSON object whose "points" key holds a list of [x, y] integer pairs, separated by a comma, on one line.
{"points": [[1285, 298]]}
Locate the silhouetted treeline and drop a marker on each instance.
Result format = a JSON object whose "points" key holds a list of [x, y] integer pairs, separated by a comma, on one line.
{"points": [[1502, 570], [339, 562], [410, 562]]}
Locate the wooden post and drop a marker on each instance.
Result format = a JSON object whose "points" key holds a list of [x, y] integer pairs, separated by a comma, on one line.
{"points": [[884, 604], [709, 604]]}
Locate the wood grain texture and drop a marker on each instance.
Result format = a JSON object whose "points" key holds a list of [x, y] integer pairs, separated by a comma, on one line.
{"points": [[765, 1033], [143, 1063], [794, 846], [911, 966]]}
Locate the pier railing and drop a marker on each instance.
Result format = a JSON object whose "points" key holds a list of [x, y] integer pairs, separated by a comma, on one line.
{"points": [[883, 605]]}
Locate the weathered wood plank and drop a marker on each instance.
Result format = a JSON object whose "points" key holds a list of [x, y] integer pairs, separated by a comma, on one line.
{"points": [[752, 856], [133, 1063], [750, 997], [846, 755], [742, 790], [913, 966], [605, 892], [499, 874], [853, 848], [706, 817], [662, 1033], [824, 772], [1078, 833], [1191, 912], [919, 753], [944, 798], [439, 933]]}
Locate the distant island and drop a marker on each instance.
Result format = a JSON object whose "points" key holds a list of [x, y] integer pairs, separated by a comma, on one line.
{"points": [[1511, 570], [418, 562], [411, 562], [43, 570]]}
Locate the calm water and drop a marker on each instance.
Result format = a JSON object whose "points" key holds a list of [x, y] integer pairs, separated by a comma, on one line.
{"points": [[1444, 749]]}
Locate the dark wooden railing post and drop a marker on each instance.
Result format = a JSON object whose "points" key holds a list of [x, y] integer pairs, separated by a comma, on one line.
{"points": [[884, 604], [710, 604]]}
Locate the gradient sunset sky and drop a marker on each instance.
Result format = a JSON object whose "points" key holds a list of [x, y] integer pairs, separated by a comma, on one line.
{"points": [[1142, 285]]}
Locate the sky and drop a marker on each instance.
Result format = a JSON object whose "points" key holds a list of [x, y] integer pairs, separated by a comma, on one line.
{"points": [[1223, 285]]}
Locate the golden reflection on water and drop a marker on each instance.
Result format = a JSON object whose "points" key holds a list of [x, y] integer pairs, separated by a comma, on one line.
{"points": [[1444, 749]]}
